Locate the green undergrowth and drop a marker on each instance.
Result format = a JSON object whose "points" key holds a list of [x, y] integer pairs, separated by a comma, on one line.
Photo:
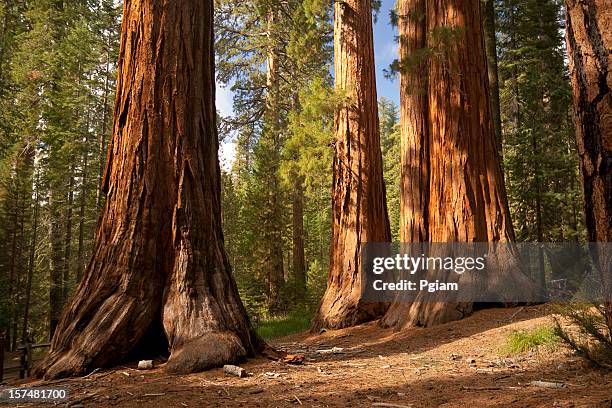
{"points": [[279, 326], [532, 340]]}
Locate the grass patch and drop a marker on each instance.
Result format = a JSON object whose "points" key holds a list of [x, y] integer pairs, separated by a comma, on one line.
{"points": [[528, 340], [275, 327]]}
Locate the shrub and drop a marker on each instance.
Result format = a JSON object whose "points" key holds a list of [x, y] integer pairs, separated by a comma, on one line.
{"points": [[529, 340], [586, 331]]}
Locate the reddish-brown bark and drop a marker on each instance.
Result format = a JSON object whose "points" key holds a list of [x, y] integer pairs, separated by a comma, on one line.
{"points": [[464, 198], [589, 41], [359, 211], [159, 259]]}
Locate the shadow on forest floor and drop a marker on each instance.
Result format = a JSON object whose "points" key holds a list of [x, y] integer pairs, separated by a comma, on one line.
{"points": [[452, 365]]}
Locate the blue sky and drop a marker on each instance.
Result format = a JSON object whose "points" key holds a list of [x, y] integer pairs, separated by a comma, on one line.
{"points": [[385, 50]]}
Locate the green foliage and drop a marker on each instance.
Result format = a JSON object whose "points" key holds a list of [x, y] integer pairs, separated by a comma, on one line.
{"points": [[281, 131], [540, 158], [59, 67], [585, 328], [530, 340], [390, 146], [295, 322]]}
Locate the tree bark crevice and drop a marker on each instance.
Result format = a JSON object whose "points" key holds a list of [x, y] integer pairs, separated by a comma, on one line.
{"points": [[159, 260]]}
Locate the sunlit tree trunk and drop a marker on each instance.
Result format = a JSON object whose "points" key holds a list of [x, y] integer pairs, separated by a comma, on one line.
{"points": [[414, 159], [359, 211], [589, 41], [159, 265], [465, 199]]}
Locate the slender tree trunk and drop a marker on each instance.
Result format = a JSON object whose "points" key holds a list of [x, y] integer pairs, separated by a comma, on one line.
{"points": [[17, 288], [31, 264], [82, 206], [299, 262], [55, 264], [489, 25], [589, 41], [68, 237], [275, 257], [102, 136], [466, 199], [159, 259], [538, 213], [359, 210], [12, 259]]}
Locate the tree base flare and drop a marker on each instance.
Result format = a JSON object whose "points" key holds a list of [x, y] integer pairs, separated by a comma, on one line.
{"points": [[212, 350]]}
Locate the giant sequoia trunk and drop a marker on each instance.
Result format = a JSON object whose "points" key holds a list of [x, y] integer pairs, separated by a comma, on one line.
{"points": [[449, 150], [159, 266], [589, 41], [414, 158], [359, 211]]}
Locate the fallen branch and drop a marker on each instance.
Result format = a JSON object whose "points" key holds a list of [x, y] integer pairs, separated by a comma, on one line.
{"points": [[547, 384], [389, 405]]}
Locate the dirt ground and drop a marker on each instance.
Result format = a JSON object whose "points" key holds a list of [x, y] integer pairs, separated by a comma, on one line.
{"points": [[460, 364]]}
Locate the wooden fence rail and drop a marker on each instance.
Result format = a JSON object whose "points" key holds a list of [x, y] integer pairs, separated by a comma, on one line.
{"points": [[26, 361]]}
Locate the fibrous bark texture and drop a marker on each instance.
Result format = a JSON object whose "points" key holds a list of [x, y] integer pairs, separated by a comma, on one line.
{"points": [[359, 211], [449, 150], [589, 41], [159, 266]]}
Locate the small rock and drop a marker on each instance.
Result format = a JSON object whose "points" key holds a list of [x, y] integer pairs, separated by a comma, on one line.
{"points": [[234, 370], [145, 364]]}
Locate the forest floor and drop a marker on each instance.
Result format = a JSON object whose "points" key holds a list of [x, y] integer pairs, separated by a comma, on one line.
{"points": [[459, 364]]}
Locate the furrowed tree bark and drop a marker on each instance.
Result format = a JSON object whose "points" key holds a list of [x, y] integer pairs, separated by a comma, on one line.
{"points": [[414, 159], [159, 265], [589, 41], [359, 210], [466, 198]]}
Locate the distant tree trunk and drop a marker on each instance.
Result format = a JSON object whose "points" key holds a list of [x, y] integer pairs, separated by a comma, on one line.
{"points": [[538, 213], [68, 237], [17, 288], [31, 264], [589, 41], [466, 199], [275, 263], [299, 262], [82, 206], [489, 25], [55, 264], [159, 258], [14, 229], [102, 136], [359, 210]]}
